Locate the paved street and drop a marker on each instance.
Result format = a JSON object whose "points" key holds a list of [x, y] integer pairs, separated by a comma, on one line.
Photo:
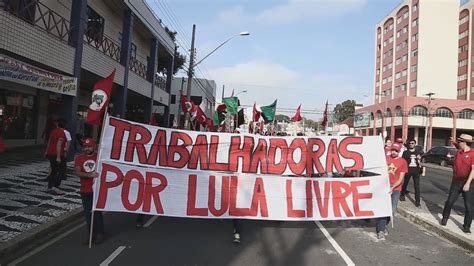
{"points": [[174, 241]]}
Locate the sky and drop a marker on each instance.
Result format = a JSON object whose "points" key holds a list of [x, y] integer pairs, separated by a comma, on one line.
{"points": [[298, 51]]}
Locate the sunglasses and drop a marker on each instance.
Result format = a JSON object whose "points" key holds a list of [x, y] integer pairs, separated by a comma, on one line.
{"points": [[412, 143]]}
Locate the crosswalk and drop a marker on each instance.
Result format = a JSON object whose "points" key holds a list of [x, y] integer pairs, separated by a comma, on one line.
{"points": [[24, 202]]}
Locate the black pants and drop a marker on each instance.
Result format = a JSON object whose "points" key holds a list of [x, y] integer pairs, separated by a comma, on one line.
{"points": [[58, 170], [454, 191], [416, 182], [87, 200], [237, 224]]}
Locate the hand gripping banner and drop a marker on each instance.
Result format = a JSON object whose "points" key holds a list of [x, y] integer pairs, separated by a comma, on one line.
{"points": [[160, 171]]}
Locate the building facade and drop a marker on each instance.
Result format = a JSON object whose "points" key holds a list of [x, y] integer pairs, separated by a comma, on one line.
{"points": [[77, 43], [419, 51], [203, 93]]}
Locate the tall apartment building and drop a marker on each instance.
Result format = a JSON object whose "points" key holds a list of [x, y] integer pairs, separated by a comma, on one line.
{"points": [[418, 48], [72, 44]]}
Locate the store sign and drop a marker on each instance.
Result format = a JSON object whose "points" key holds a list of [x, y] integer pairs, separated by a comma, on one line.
{"points": [[22, 73], [362, 120]]}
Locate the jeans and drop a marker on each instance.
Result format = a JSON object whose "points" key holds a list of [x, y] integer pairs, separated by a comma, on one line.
{"points": [[87, 200], [454, 191], [237, 224], [416, 183], [382, 222], [58, 170]]}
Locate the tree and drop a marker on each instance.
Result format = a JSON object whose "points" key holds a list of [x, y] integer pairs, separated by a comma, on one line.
{"points": [[344, 110], [282, 118], [179, 59]]}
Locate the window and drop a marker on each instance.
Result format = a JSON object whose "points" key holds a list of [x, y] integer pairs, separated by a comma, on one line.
{"points": [[18, 117], [414, 68], [443, 112], [473, 74], [463, 48], [398, 47], [463, 34], [385, 30], [414, 38], [390, 66], [399, 60], [403, 87], [173, 98], [378, 71], [378, 35], [414, 23], [384, 81], [404, 58], [378, 59], [404, 44], [398, 111], [466, 114], [462, 92], [390, 27], [405, 29], [462, 63], [95, 25], [384, 68], [405, 15], [399, 19], [390, 40], [404, 73], [415, 8], [418, 111], [413, 84], [464, 20], [414, 53], [384, 43], [397, 76], [397, 89], [462, 77], [390, 79], [133, 51], [398, 33], [377, 83]]}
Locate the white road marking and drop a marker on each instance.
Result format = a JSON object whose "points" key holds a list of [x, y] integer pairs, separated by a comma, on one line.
{"points": [[45, 245], [112, 256], [335, 244], [150, 221]]}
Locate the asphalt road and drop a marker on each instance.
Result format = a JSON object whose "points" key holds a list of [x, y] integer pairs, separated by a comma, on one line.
{"points": [[178, 241]]}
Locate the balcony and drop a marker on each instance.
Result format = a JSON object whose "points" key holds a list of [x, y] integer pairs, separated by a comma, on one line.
{"points": [[138, 67], [160, 82], [34, 31], [103, 44]]}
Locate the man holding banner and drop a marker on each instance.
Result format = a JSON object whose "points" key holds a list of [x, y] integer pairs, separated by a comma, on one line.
{"points": [[397, 168]]}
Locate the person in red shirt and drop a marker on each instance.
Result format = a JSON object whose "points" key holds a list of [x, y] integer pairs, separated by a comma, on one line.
{"points": [[85, 165], [397, 168], [463, 174], [55, 154], [388, 147]]}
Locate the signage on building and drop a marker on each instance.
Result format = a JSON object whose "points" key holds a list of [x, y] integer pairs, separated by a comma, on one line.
{"points": [[362, 120], [22, 73]]}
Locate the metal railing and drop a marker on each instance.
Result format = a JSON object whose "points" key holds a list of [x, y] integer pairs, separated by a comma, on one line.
{"points": [[160, 82], [39, 15], [138, 67], [104, 44]]}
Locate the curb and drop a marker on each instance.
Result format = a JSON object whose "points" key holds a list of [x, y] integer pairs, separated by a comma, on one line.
{"points": [[437, 229], [39, 235]]}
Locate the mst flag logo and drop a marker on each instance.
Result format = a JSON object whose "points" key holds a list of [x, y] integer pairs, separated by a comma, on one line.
{"points": [[99, 98], [89, 166]]}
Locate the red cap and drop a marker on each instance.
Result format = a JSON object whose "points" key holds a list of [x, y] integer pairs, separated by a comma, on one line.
{"points": [[396, 147], [399, 140], [89, 142]]}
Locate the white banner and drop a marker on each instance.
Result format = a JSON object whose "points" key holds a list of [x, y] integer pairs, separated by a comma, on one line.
{"points": [[159, 171], [19, 72], [197, 194]]}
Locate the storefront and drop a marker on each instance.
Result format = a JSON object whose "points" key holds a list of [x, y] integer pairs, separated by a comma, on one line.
{"points": [[29, 98]]}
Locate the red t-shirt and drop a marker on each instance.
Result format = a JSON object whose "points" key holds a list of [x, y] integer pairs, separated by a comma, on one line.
{"points": [[462, 164], [54, 136], [396, 166], [87, 163], [388, 151]]}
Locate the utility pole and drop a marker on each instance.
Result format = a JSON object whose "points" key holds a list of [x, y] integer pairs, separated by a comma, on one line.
{"points": [[190, 78], [223, 89], [428, 120], [179, 102]]}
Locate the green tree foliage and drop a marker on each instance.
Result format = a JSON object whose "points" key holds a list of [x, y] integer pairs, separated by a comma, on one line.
{"points": [[282, 118], [164, 57], [344, 110]]}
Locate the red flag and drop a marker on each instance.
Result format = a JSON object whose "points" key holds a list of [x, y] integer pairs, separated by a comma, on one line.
{"points": [[210, 124], [222, 108], [187, 106], [325, 116], [256, 113], [297, 117], [100, 99], [200, 116]]}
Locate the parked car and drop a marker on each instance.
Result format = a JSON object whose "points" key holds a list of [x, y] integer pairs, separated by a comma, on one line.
{"points": [[442, 155]]}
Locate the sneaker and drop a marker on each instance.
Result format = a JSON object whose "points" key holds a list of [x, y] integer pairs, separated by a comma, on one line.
{"points": [[380, 235], [236, 238], [466, 229], [443, 221], [385, 232], [58, 192]]}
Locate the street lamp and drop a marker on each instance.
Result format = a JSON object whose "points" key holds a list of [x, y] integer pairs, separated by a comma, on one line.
{"points": [[244, 91], [192, 64]]}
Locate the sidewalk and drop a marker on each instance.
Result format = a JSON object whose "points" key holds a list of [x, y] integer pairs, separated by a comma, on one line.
{"points": [[27, 211], [429, 215]]}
